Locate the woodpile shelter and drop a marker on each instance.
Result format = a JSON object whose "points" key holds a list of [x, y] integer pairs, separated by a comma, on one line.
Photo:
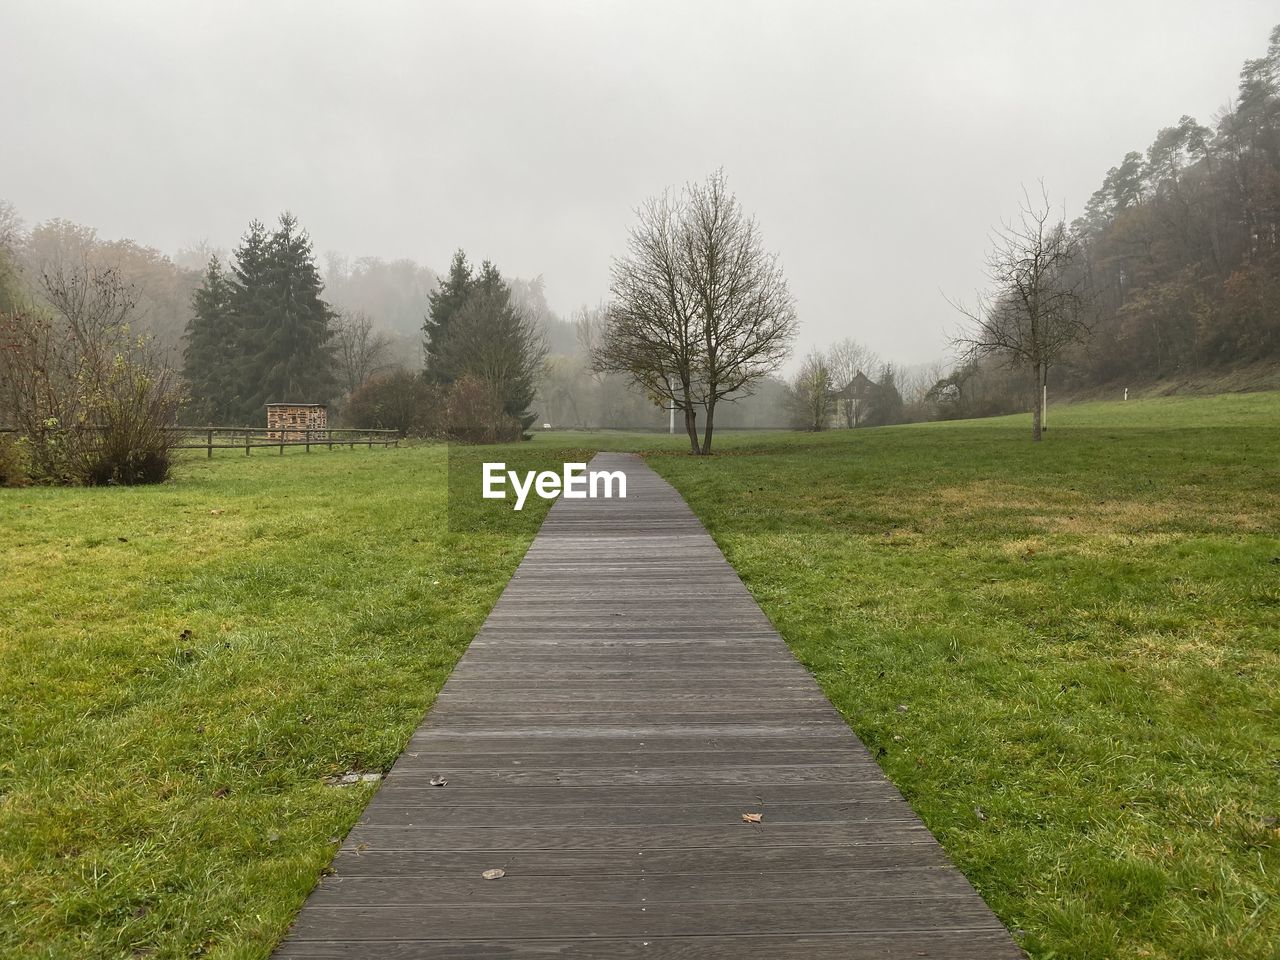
{"points": [[296, 421]]}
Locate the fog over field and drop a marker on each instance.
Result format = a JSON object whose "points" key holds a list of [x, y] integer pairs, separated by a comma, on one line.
{"points": [[875, 143]]}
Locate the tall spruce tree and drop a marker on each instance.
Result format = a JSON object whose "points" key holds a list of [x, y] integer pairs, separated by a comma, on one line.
{"points": [[443, 304], [489, 339], [209, 359], [284, 323], [250, 306]]}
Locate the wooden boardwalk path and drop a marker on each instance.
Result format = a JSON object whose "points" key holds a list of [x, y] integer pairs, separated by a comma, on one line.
{"points": [[625, 703]]}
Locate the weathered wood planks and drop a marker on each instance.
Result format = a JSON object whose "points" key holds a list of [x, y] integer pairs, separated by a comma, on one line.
{"points": [[624, 704]]}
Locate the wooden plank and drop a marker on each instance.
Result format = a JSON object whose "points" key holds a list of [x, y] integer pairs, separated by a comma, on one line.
{"points": [[936, 944], [424, 741], [423, 813], [898, 882], [624, 704], [631, 759], [417, 787], [756, 777], [629, 838], [353, 860], [509, 920]]}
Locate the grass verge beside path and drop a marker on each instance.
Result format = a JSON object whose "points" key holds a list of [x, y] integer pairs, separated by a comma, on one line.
{"points": [[181, 667], [1066, 655]]}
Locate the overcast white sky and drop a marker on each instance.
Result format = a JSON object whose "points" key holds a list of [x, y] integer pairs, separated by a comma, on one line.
{"points": [[876, 142]]}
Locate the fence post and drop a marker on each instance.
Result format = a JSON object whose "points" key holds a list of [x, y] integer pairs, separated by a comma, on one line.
{"points": [[307, 437], [329, 432], [209, 439], [282, 436], [246, 441]]}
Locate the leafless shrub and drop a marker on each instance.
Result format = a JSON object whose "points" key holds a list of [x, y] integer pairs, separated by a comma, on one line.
{"points": [[90, 402]]}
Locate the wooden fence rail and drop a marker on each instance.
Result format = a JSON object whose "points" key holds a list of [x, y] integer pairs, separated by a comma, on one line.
{"points": [[248, 439]]}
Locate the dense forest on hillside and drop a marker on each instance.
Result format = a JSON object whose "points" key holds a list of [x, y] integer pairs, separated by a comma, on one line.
{"points": [[1182, 241]]}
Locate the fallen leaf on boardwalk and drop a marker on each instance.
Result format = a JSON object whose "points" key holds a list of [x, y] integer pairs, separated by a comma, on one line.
{"points": [[438, 781], [495, 874], [752, 817]]}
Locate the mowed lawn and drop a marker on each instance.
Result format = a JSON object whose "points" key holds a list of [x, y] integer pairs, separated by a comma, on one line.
{"points": [[1067, 656], [182, 667]]}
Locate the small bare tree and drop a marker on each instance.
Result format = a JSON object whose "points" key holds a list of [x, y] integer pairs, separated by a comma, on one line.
{"points": [[700, 312], [846, 359], [1036, 307], [809, 393], [360, 350]]}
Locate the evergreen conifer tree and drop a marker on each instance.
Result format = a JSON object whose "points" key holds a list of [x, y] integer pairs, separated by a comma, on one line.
{"points": [[284, 323], [443, 305], [249, 310], [489, 339], [209, 359]]}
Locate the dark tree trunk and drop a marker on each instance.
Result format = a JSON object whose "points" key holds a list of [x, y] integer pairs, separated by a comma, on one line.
{"points": [[691, 427], [709, 429]]}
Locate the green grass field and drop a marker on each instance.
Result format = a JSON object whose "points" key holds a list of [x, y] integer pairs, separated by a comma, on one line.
{"points": [[182, 668], [1083, 635]]}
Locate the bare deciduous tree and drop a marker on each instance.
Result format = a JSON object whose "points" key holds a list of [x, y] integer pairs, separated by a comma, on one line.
{"points": [[360, 351], [650, 332], [846, 359], [1036, 307], [809, 393], [700, 312], [745, 315]]}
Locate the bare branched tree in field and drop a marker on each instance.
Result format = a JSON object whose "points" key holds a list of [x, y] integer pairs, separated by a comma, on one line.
{"points": [[809, 393], [700, 312], [846, 359], [651, 328], [1036, 307], [360, 350], [744, 314]]}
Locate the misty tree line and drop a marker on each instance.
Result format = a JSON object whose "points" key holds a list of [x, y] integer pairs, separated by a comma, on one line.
{"points": [[1174, 267]]}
